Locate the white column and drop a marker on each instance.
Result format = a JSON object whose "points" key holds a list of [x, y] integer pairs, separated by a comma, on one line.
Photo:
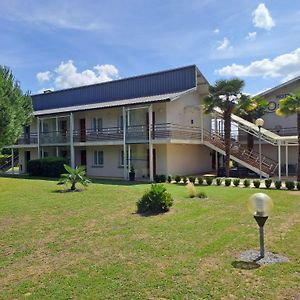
{"points": [[202, 123], [279, 160], [56, 129], [124, 144], [72, 151], [286, 160], [38, 137], [12, 160], [150, 144], [57, 152]]}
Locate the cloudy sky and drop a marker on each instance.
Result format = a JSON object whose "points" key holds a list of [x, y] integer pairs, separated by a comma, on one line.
{"points": [[60, 44]]}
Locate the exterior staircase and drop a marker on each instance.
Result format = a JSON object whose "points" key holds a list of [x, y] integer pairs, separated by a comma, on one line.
{"points": [[7, 165]]}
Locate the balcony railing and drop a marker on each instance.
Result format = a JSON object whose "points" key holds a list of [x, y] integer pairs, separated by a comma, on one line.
{"points": [[54, 137], [103, 134], [28, 139]]}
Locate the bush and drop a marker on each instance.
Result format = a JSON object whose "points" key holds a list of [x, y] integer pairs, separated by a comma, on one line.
{"points": [[268, 183], [246, 183], [218, 181], [155, 200], [192, 179], [47, 167], [202, 195], [236, 182], [227, 181], [184, 179], [209, 180], [278, 184], [160, 178], [290, 185], [200, 180], [191, 190], [298, 186], [177, 178], [256, 183], [169, 179]]}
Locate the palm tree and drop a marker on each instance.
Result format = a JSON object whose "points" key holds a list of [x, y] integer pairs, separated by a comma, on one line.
{"points": [[226, 95], [289, 106], [251, 109], [74, 176]]}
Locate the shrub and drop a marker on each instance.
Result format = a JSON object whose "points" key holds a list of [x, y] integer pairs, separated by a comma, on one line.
{"points": [[246, 183], [202, 195], [191, 190], [155, 200], [227, 181], [236, 182], [219, 181], [184, 179], [74, 176], [200, 180], [209, 180], [268, 183], [192, 179], [177, 178], [298, 186], [290, 185], [160, 178], [169, 179], [278, 184], [47, 167], [256, 183]]}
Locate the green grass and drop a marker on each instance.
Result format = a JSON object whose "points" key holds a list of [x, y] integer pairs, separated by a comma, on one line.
{"points": [[92, 245]]}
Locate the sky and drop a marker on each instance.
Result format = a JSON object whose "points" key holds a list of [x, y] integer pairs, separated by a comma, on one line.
{"points": [[62, 44]]}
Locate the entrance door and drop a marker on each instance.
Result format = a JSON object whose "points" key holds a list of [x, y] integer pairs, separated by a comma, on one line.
{"points": [[27, 159], [83, 157], [154, 162], [82, 130]]}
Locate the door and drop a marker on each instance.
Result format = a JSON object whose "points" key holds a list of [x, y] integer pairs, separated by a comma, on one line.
{"points": [[27, 134], [82, 130], [63, 127], [154, 162], [83, 157], [27, 159]]}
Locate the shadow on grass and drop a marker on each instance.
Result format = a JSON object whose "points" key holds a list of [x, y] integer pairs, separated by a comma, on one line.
{"points": [[150, 213], [245, 265]]}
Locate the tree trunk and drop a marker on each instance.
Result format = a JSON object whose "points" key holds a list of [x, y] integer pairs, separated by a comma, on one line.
{"points": [[298, 129], [73, 186], [227, 139]]}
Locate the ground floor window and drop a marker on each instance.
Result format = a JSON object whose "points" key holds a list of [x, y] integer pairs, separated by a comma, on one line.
{"points": [[98, 158]]}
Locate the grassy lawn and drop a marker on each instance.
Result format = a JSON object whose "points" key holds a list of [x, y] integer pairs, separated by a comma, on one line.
{"points": [[91, 245]]}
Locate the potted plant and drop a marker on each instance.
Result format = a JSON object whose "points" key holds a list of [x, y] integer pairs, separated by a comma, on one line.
{"points": [[132, 174]]}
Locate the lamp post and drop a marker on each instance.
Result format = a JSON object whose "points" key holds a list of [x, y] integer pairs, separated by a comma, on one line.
{"points": [[259, 123], [260, 205]]}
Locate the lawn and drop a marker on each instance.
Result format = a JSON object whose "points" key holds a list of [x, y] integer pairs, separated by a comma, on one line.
{"points": [[92, 245]]}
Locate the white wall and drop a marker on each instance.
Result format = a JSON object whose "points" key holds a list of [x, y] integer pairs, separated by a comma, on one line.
{"points": [[33, 155]]}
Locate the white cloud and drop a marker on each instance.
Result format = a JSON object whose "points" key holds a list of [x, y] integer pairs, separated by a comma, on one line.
{"points": [[286, 66], [223, 45], [66, 75], [251, 36], [216, 31], [262, 17], [43, 76]]}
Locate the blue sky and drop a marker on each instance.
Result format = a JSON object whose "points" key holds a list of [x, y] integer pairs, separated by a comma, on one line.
{"points": [[59, 44]]}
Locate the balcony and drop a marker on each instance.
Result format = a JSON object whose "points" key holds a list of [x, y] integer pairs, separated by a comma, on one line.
{"points": [[28, 139], [101, 135], [54, 137]]}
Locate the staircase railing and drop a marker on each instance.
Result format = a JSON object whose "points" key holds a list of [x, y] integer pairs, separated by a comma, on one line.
{"points": [[6, 166], [242, 153]]}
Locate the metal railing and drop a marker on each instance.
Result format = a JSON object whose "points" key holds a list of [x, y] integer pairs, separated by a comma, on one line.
{"points": [[103, 134], [54, 137], [31, 138]]}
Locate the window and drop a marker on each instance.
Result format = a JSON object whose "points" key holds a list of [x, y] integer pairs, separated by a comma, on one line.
{"points": [[121, 159], [98, 158], [97, 124]]}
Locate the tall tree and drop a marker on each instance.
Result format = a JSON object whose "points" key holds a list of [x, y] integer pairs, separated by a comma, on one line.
{"points": [[251, 109], [226, 95], [290, 106], [15, 108]]}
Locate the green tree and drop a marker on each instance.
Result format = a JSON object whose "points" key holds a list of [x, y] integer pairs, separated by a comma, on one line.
{"points": [[251, 109], [226, 95], [289, 106], [15, 108]]}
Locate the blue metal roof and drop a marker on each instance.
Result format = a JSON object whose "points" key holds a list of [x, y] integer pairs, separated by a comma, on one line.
{"points": [[170, 81]]}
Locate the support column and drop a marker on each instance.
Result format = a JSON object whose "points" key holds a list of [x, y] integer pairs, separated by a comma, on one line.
{"points": [[150, 144], [38, 137], [56, 129], [286, 160], [124, 145], [72, 151], [12, 160], [202, 123], [57, 152], [279, 160]]}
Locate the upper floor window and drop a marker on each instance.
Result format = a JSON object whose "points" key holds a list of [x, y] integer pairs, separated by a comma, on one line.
{"points": [[98, 158], [97, 124]]}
